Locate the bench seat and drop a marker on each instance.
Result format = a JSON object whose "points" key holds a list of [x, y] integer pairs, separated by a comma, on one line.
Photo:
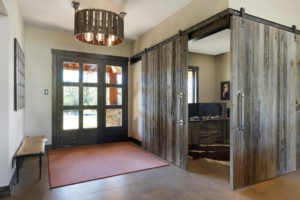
{"points": [[31, 146]]}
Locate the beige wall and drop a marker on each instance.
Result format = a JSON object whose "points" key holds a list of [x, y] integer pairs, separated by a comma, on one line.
{"points": [[284, 12], [207, 82], [11, 122], [212, 71], [39, 73], [193, 13], [222, 73]]}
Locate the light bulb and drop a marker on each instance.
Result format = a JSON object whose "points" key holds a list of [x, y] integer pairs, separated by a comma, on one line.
{"points": [[109, 41], [89, 36], [100, 37], [113, 38]]}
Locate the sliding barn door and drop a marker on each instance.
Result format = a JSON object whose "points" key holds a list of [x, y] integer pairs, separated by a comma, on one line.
{"points": [[263, 117], [164, 77], [297, 64]]}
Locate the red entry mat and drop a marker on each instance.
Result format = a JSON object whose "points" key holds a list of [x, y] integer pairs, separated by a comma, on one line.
{"points": [[80, 164]]}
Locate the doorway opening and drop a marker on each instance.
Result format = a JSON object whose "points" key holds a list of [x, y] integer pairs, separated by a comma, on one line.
{"points": [[209, 105]]}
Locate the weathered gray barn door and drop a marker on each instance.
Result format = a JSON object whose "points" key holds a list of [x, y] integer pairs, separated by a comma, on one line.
{"points": [[297, 64], [263, 102], [164, 88]]}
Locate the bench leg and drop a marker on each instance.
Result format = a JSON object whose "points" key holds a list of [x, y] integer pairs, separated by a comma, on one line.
{"points": [[18, 163], [40, 166]]}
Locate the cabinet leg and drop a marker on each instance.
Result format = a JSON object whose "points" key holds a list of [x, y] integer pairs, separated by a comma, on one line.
{"points": [[40, 166], [18, 163]]}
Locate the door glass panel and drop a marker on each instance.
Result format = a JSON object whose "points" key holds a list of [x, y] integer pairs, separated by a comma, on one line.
{"points": [[90, 73], [113, 75], [70, 120], [90, 118], [71, 72], [113, 96], [71, 96], [90, 96], [113, 117]]}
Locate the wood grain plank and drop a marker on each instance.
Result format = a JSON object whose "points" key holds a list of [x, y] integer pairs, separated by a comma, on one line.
{"points": [[296, 63]]}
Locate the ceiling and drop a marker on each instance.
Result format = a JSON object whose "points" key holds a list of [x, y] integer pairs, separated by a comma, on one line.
{"points": [[142, 15], [2, 8], [215, 44]]}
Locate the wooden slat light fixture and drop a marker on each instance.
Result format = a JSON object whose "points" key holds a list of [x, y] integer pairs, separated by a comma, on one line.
{"points": [[98, 27]]}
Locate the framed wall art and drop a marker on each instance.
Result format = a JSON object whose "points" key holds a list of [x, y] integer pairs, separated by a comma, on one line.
{"points": [[19, 77], [225, 90]]}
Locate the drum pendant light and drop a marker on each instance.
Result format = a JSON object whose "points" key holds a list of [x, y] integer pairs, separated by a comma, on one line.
{"points": [[98, 27]]}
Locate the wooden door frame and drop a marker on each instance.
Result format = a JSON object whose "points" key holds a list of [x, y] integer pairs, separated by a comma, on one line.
{"points": [[58, 54]]}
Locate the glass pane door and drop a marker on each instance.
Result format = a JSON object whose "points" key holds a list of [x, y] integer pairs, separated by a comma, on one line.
{"points": [[91, 100], [113, 96], [79, 102], [115, 101]]}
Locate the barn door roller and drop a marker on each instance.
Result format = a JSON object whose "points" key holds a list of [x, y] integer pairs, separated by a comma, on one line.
{"points": [[242, 13], [295, 31]]}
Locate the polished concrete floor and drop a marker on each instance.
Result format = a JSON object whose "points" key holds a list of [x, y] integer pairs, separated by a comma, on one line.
{"points": [[202, 181]]}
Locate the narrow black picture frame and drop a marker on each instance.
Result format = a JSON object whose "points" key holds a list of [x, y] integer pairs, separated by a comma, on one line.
{"points": [[19, 76]]}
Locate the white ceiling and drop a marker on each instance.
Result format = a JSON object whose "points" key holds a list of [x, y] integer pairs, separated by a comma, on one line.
{"points": [[2, 9], [142, 15], [215, 44]]}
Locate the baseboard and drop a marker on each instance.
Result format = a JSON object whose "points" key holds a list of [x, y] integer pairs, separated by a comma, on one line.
{"points": [[48, 147], [131, 139], [7, 190]]}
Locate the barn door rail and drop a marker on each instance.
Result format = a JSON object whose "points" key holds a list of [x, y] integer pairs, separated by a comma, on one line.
{"points": [[211, 24]]}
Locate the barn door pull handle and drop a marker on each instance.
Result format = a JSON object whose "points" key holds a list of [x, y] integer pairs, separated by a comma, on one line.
{"points": [[241, 111], [180, 122], [179, 99], [180, 95]]}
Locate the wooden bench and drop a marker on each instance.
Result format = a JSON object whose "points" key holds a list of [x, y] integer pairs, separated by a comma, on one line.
{"points": [[31, 146]]}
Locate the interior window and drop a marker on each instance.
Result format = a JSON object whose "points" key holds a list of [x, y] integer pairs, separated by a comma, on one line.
{"points": [[193, 84]]}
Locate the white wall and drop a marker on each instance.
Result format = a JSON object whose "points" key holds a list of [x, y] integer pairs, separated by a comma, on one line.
{"points": [[284, 12], [11, 122], [135, 101], [2, 9], [4, 130], [39, 42]]}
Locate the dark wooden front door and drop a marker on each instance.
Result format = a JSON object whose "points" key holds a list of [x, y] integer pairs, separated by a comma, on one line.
{"points": [[89, 98], [263, 114]]}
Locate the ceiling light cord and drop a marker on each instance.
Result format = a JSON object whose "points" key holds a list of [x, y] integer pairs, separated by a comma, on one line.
{"points": [[75, 5]]}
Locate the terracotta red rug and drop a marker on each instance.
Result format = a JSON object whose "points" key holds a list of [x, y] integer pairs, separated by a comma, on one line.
{"points": [[80, 164]]}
